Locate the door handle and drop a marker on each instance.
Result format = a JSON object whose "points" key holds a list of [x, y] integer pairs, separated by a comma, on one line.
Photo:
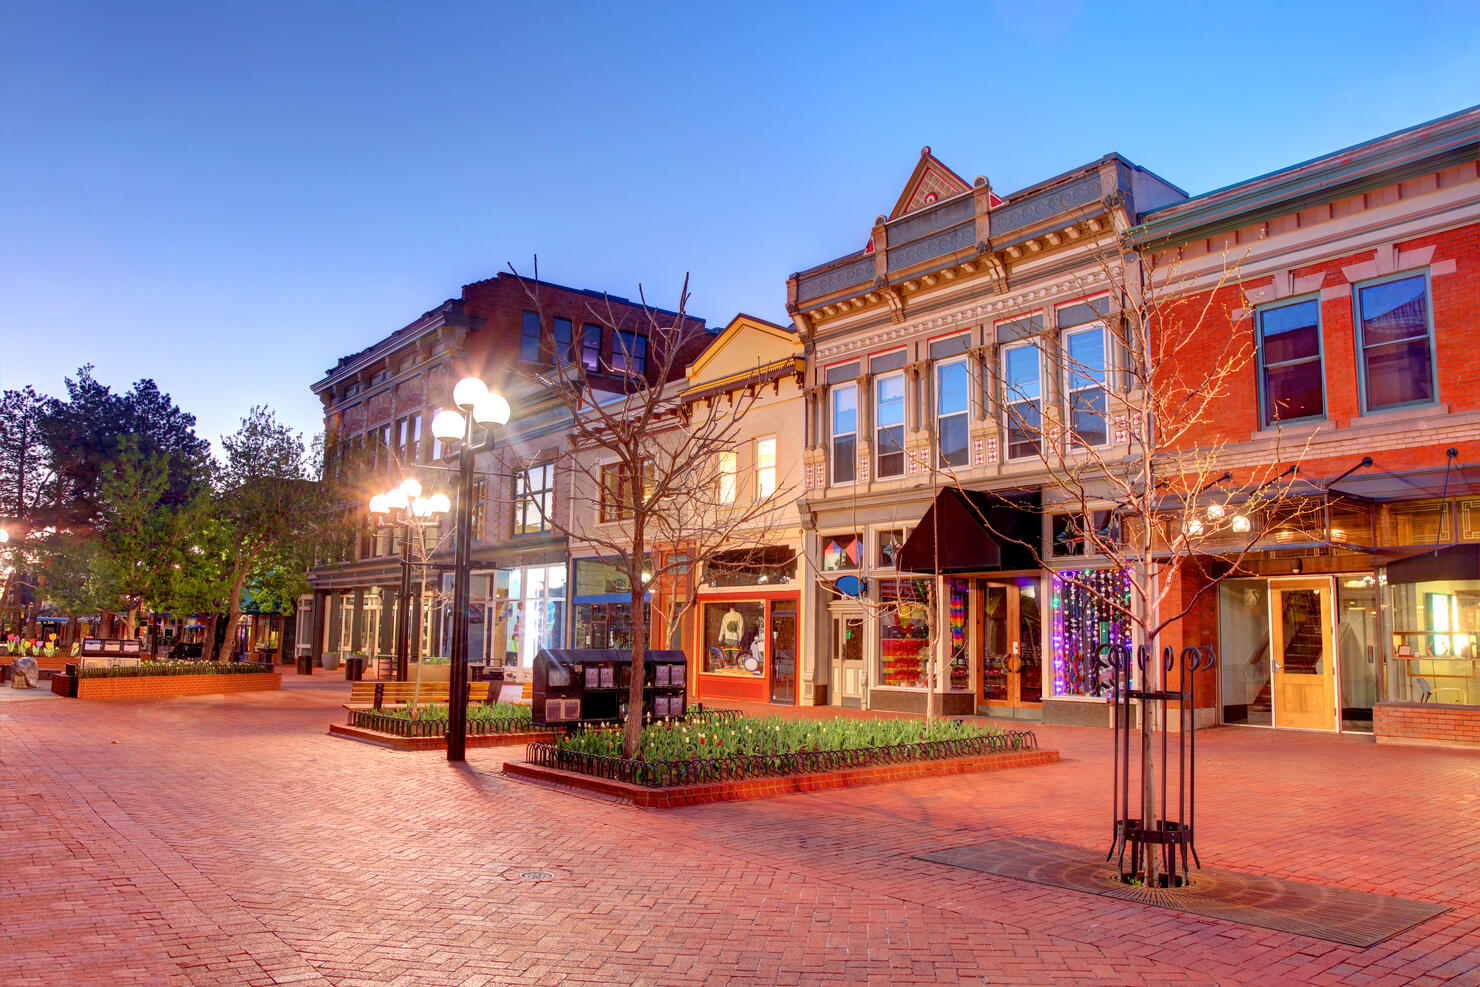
{"points": [[1278, 667]]}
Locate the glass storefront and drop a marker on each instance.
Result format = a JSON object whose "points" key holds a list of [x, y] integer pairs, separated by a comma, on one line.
{"points": [[1435, 630], [601, 609], [1358, 649], [904, 622], [513, 613], [1243, 651], [735, 638], [1089, 610]]}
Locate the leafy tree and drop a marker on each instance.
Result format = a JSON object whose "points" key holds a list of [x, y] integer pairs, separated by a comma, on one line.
{"points": [[83, 435], [26, 472]]}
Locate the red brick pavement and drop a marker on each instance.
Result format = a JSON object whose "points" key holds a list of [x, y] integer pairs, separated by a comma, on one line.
{"points": [[230, 840]]}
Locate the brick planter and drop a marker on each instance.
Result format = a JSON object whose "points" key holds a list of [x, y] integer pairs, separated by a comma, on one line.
{"points": [[1428, 724], [169, 686], [392, 742], [770, 787]]}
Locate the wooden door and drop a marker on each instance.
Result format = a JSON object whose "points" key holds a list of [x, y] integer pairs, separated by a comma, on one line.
{"points": [[848, 659], [1302, 654], [1008, 629]]}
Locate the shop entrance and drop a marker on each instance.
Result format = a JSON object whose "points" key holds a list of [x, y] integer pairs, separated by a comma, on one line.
{"points": [[847, 659], [1304, 682], [783, 653], [1009, 631]]}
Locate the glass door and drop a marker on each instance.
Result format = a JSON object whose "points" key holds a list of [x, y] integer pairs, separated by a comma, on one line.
{"points": [[1300, 642], [1010, 631], [783, 653]]}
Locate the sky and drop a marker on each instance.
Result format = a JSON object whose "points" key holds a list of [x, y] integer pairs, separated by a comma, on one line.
{"points": [[227, 197]]}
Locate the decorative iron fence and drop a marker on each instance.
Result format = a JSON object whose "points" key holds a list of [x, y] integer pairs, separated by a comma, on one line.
{"points": [[665, 774]]}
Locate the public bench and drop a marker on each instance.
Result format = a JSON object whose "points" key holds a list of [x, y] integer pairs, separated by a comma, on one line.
{"points": [[378, 695]]}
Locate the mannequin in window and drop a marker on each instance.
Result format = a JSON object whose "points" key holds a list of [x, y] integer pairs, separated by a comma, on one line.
{"points": [[731, 630]]}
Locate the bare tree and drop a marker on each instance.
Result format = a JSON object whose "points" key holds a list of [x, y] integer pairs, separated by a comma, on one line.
{"points": [[646, 464], [1133, 463]]}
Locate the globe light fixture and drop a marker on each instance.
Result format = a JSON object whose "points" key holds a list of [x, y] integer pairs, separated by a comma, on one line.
{"points": [[1215, 512], [411, 486], [491, 409], [1241, 524], [380, 504], [466, 392], [448, 426], [440, 504], [421, 507], [397, 498], [1194, 527]]}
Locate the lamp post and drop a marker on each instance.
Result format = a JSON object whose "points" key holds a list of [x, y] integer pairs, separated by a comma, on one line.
{"points": [[481, 407], [405, 507]]}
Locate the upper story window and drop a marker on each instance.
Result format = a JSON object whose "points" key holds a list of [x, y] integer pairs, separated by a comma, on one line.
{"points": [[629, 353], [1022, 399], [591, 347], [1084, 384], [889, 424], [534, 499], [1396, 340], [765, 467], [413, 438], [727, 469], [380, 377], [529, 338], [1291, 381], [616, 490], [952, 396], [564, 340], [843, 402], [842, 552]]}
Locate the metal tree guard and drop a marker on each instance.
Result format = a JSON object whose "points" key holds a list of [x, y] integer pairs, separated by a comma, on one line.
{"points": [[1171, 834]]}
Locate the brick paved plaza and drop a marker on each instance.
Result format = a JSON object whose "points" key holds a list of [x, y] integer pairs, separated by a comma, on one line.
{"points": [[229, 840]]}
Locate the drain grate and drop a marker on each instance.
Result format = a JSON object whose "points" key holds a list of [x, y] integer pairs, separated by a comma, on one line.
{"points": [[1352, 918], [537, 875]]}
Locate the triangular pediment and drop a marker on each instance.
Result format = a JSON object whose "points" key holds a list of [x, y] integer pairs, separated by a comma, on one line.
{"points": [[748, 343], [929, 183]]}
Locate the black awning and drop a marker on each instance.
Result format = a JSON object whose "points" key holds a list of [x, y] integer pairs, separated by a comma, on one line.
{"points": [[1450, 562], [979, 532]]}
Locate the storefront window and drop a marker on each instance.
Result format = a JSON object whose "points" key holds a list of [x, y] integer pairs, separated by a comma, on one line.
{"points": [[1243, 651], [735, 638], [602, 606], [1357, 649], [891, 541], [1435, 628], [1089, 610], [959, 670], [765, 565], [904, 653]]}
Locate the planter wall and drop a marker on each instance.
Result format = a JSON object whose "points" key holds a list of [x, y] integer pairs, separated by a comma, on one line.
{"points": [[169, 686], [1428, 724]]}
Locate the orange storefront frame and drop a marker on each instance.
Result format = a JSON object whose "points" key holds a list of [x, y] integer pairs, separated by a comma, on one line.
{"points": [[769, 686]]}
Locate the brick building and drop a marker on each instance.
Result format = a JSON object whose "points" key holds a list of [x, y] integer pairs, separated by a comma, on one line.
{"points": [[378, 407], [1358, 291]]}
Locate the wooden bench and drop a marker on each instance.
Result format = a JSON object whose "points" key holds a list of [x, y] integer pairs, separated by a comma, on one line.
{"points": [[378, 695]]}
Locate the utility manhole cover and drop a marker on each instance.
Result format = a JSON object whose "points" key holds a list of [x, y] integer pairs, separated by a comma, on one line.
{"points": [[537, 875]]}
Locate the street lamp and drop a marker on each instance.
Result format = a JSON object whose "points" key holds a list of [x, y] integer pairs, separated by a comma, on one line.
{"points": [[405, 507], [485, 408]]}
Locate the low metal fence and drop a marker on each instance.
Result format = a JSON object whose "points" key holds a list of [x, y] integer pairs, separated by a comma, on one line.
{"points": [[691, 771]]}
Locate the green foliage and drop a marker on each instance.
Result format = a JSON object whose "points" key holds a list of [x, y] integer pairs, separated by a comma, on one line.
{"points": [[148, 668], [710, 735], [479, 713]]}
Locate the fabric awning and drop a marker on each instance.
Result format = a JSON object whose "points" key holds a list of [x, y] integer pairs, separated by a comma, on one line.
{"points": [[979, 532], [1450, 562]]}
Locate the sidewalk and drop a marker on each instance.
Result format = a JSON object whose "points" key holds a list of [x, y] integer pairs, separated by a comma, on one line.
{"points": [[229, 840]]}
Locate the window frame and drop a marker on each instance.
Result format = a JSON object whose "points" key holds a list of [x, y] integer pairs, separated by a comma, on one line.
{"points": [[962, 360], [1359, 335], [760, 491], [1005, 400], [833, 435], [591, 357], [904, 416], [626, 358], [727, 473], [1261, 368], [525, 494], [538, 338], [564, 353], [1069, 391]]}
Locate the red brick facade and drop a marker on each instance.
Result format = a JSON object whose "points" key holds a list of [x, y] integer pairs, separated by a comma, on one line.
{"points": [[1427, 723], [170, 686]]}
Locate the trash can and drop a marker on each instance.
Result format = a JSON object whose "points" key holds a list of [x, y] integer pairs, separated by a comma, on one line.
{"points": [[305, 664], [354, 669]]}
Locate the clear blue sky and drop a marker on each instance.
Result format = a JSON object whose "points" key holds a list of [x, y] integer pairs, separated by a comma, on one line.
{"points": [[227, 197]]}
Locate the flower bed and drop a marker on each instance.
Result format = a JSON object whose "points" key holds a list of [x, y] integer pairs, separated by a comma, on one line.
{"points": [[431, 721], [153, 668], [710, 748]]}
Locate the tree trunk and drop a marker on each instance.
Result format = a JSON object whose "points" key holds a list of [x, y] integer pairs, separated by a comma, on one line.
{"points": [[632, 733]]}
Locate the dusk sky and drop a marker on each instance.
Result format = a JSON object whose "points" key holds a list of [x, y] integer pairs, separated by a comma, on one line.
{"points": [[228, 197]]}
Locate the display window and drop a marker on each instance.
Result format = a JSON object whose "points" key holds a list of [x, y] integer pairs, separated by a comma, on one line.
{"points": [[958, 672], [603, 625], [1435, 628], [735, 638], [904, 651], [841, 552], [1089, 610]]}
